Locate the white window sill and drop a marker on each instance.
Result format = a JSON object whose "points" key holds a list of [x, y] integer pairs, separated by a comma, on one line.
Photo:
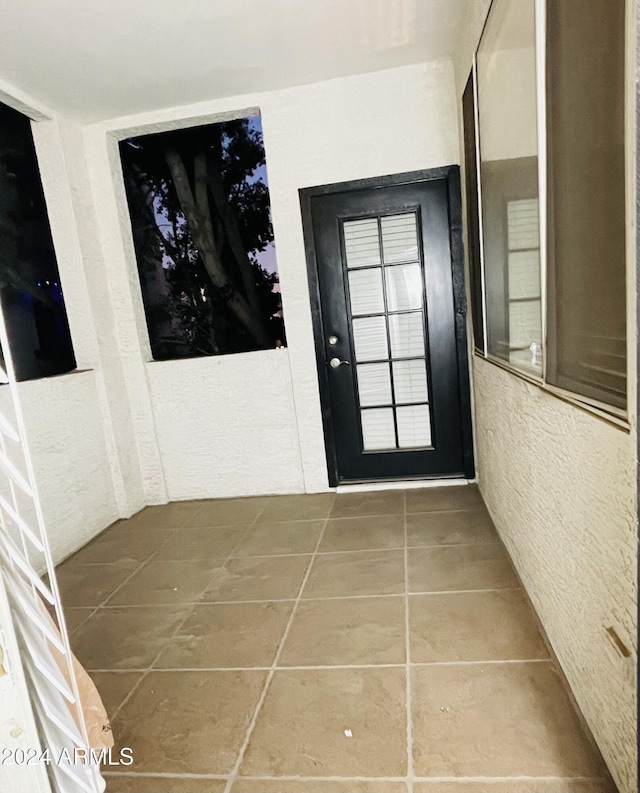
{"points": [[619, 418]]}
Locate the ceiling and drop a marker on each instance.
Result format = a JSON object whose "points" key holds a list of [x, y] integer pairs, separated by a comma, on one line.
{"points": [[98, 59]]}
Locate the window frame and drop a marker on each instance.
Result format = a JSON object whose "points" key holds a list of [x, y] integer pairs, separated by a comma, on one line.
{"points": [[610, 413]]}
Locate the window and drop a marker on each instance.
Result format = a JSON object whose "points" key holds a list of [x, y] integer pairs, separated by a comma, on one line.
{"points": [[201, 222], [550, 239], [507, 131], [586, 251], [30, 288]]}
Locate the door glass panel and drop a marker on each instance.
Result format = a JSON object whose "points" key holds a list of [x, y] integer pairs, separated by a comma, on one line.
{"points": [[374, 384], [386, 283], [414, 427], [407, 335], [365, 291], [404, 287], [399, 238], [361, 242], [410, 381], [370, 338], [378, 429]]}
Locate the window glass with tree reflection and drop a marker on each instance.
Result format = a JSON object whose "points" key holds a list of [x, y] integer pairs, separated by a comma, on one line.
{"points": [[201, 221]]}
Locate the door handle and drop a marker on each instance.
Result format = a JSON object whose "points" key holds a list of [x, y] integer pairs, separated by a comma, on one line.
{"points": [[334, 363]]}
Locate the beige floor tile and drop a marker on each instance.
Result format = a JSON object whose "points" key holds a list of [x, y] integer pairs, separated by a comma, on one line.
{"points": [[435, 499], [316, 786], [450, 528], [361, 534], [228, 634], [375, 502], [91, 584], [167, 581], [460, 567], [158, 784], [473, 626], [128, 638], [227, 512], [496, 720], [75, 617], [309, 506], [188, 722], [114, 687], [266, 578], [359, 573], [517, 786], [164, 516], [360, 631], [206, 542], [277, 539], [300, 730], [116, 544]]}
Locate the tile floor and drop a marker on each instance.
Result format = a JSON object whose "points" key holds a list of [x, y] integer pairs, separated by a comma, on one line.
{"points": [[358, 643]]}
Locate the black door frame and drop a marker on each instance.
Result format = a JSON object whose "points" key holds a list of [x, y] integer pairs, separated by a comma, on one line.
{"points": [[451, 175]]}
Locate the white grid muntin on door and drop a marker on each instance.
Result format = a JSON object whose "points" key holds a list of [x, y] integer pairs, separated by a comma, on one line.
{"points": [[24, 550], [386, 300]]}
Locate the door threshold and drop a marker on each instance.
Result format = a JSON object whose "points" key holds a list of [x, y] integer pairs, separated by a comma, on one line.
{"points": [[408, 484]]}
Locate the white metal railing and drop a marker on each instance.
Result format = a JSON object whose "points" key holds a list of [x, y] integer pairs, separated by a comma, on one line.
{"points": [[54, 707]]}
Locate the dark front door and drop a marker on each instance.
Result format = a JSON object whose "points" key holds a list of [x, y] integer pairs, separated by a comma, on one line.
{"points": [[385, 263]]}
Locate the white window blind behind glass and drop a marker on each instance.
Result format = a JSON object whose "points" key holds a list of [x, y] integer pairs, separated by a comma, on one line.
{"points": [[523, 270], [362, 247], [386, 298]]}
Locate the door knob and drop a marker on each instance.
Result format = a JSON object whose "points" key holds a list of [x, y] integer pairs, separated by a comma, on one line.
{"points": [[334, 363], [333, 340]]}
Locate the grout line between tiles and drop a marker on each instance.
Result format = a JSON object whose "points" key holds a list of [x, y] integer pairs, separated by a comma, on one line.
{"points": [[183, 603], [93, 611], [180, 622], [324, 667], [407, 640], [377, 549], [271, 673], [319, 518]]}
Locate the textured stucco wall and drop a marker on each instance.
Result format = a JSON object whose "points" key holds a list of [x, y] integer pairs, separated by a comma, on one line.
{"points": [[388, 122], [68, 449], [82, 268], [560, 486], [200, 453]]}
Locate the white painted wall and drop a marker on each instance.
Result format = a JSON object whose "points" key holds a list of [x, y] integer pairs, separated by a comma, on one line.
{"points": [[388, 122], [560, 484], [79, 424], [192, 401]]}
